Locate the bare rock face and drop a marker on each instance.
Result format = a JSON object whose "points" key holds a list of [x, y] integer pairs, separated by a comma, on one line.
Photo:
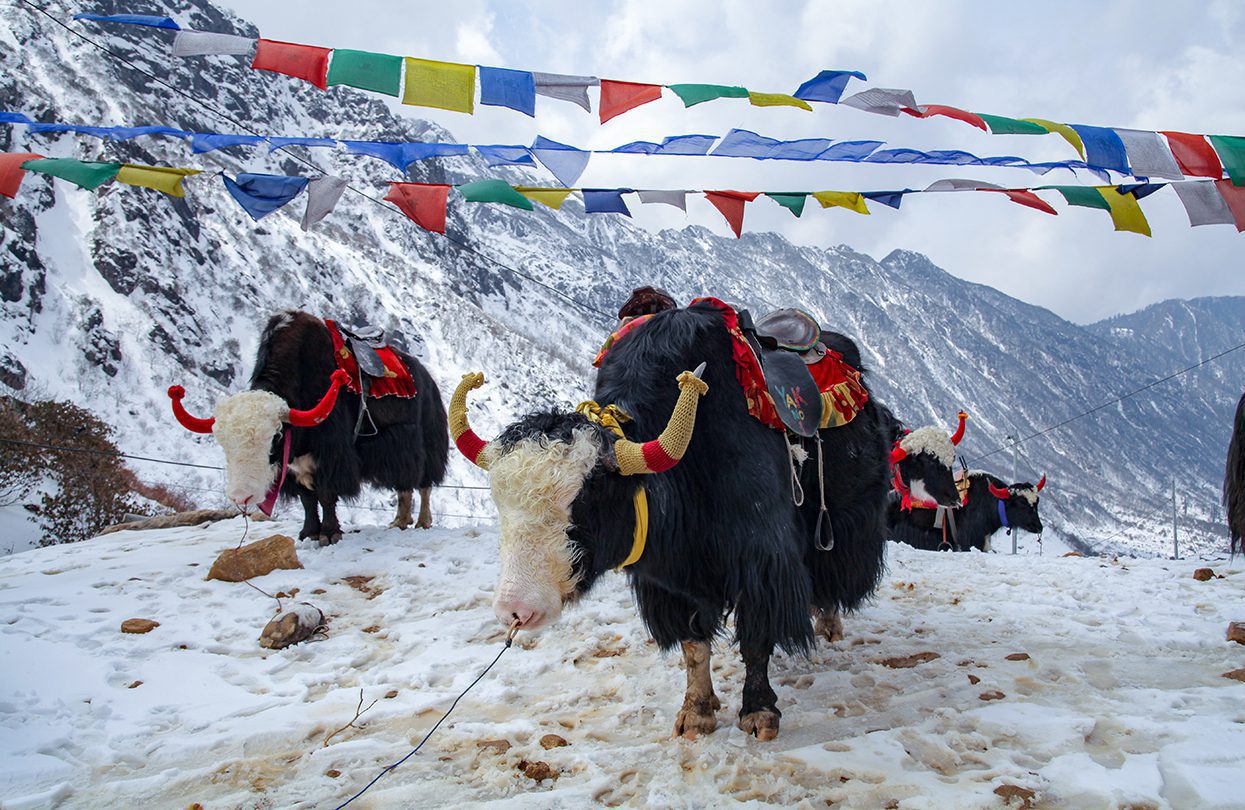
{"points": [[138, 625], [1203, 574], [299, 623], [255, 559], [1236, 632]]}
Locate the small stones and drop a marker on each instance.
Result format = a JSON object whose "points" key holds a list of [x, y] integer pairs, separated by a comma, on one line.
{"points": [[135, 685], [332, 773], [538, 771], [1009, 792], [992, 694], [974, 680], [138, 626], [1235, 675], [552, 741], [363, 585], [1204, 574], [1017, 657], [499, 746], [1236, 632], [372, 628], [908, 661], [1069, 554], [391, 694]]}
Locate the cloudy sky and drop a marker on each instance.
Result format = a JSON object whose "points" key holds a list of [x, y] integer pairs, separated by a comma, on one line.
{"points": [[1129, 63]]}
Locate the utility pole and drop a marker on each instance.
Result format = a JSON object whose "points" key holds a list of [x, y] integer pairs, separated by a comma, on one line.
{"points": [[1175, 530], [1015, 442]]}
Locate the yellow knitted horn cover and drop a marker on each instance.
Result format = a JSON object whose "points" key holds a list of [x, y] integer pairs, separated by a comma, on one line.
{"points": [[469, 444], [667, 449]]}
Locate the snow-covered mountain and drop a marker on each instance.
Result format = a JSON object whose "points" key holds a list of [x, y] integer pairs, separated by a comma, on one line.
{"points": [[109, 297]]}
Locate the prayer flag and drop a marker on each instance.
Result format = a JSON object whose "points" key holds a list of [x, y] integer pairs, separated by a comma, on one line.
{"points": [[444, 85], [731, 205], [1148, 155], [881, 100], [205, 43], [82, 173], [891, 198], [777, 100], [552, 197], [566, 88], [1234, 196], [1125, 212], [850, 150], [515, 89], [401, 155], [1194, 155], [566, 163], [605, 201], [207, 141], [161, 178], [1000, 125], [15, 118], [672, 145], [11, 171], [378, 72], [304, 62], [850, 200], [494, 191], [1066, 132], [279, 143], [1025, 198], [1204, 204], [423, 203], [926, 110], [1083, 196], [499, 155], [619, 97], [693, 94], [743, 143], [676, 198], [952, 184], [1139, 190], [827, 85], [1231, 149], [261, 194], [322, 196], [793, 202], [149, 20], [1103, 148]]}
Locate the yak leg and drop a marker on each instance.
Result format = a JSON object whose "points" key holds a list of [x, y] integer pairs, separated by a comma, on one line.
{"points": [[696, 717], [828, 624], [311, 514], [759, 714], [425, 510], [330, 529], [403, 519]]}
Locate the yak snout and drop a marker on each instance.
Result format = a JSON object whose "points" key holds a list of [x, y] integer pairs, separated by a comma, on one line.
{"points": [[532, 610]]}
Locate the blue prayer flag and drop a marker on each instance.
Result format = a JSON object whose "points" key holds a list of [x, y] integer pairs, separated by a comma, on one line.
{"points": [[15, 118], [827, 86], [208, 141], [673, 145], [891, 198], [261, 194], [279, 143], [132, 19], [742, 143], [515, 89], [1103, 148], [1139, 190], [566, 163], [500, 155], [605, 201], [850, 150], [401, 155]]}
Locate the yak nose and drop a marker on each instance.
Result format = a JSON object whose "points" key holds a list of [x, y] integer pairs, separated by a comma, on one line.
{"points": [[510, 611]]}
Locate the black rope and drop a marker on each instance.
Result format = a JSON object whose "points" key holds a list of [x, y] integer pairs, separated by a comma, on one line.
{"points": [[415, 750]]}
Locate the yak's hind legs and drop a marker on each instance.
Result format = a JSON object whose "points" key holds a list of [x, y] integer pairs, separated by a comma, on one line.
{"points": [[425, 510], [403, 519], [759, 714], [311, 514], [699, 704], [330, 529], [828, 624]]}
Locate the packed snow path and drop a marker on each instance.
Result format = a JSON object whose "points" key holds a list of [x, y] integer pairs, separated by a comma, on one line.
{"points": [[1121, 701]]}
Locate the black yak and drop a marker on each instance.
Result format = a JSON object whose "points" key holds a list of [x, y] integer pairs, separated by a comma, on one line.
{"points": [[923, 462], [287, 422], [1234, 479], [723, 532], [989, 505]]}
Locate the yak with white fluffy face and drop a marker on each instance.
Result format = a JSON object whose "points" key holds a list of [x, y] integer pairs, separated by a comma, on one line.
{"points": [[293, 432], [723, 534], [989, 505], [923, 463]]}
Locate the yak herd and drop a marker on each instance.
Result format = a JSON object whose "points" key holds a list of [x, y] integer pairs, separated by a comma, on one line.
{"points": [[670, 473]]}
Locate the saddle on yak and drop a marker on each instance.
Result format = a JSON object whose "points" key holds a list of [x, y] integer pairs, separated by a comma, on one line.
{"points": [[374, 368]]}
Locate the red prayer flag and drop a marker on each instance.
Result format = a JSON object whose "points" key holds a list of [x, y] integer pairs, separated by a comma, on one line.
{"points": [[926, 110], [1026, 198], [424, 203], [1234, 196], [305, 62], [731, 204], [1194, 154], [11, 171], [618, 97]]}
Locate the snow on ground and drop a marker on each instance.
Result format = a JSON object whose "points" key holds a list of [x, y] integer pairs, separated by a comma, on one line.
{"points": [[1120, 703]]}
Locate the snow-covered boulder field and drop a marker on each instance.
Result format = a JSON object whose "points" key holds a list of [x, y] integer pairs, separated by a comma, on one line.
{"points": [[1121, 700]]}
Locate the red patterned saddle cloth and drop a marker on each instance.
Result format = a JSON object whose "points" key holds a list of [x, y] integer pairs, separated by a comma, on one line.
{"points": [[396, 381]]}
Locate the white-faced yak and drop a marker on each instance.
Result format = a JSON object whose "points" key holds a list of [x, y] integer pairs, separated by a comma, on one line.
{"points": [[703, 521], [293, 433], [923, 463], [988, 505], [1234, 480]]}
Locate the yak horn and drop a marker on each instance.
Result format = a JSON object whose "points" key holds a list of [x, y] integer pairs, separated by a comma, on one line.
{"points": [[666, 450], [959, 431], [1041, 483], [468, 443], [1002, 493], [322, 410], [192, 423]]}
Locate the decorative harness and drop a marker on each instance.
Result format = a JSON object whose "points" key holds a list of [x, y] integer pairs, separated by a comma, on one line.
{"points": [[611, 418]]}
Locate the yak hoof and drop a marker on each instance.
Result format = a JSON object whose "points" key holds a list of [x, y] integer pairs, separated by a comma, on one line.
{"points": [[424, 522], [309, 532], [330, 539], [761, 724], [401, 523], [830, 627], [696, 718]]}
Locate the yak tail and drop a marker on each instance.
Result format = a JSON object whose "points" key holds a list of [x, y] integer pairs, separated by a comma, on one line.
{"points": [[1234, 480]]}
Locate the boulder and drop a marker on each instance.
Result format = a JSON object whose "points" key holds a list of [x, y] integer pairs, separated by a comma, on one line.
{"points": [[255, 559], [1203, 574], [1236, 632], [138, 625], [552, 741]]}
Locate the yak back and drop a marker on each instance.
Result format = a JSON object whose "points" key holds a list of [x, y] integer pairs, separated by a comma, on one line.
{"points": [[723, 531]]}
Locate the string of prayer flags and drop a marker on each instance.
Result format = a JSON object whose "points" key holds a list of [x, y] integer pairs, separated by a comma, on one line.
{"points": [[205, 43], [11, 171], [619, 97], [731, 205], [306, 62], [322, 196], [423, 203], [261, 194], [89, 175], [444, 85], [515, 89], [161, 178], [378, 72]]}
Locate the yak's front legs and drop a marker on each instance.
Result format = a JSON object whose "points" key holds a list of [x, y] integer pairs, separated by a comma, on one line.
{"points": [[696, 717], [311, 514], [759, 714], [828, 624], [330, 529], [403, 519], [425, 511]]}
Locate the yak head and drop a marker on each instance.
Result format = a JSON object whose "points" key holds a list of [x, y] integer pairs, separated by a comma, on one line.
{"points": [[562, 486], [1020, 504], [923, 461], [249, 427]]}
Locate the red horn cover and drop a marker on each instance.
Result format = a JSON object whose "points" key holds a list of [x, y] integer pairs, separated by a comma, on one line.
{"points": [[1041, 483], [192, 423], [321, 411], [898, 454], [959, 431], [1002, 493]]}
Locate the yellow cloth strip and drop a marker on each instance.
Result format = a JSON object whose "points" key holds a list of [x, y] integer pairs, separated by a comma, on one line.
{"points": [[640, 538], [552, 197], [1069, 134], [777, 100], [850, 200], [161, 178], [1125, 212], [444, 85]]}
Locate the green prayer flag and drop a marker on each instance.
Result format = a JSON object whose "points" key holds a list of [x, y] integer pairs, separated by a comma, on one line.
{"points": [[494, 191], [1000, 125], [377, 72], [793, 201], [1084, 196], [692, 94], [1231, 149], [82, 173]]}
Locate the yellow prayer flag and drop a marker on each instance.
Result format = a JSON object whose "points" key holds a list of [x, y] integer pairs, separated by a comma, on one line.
{"points": [[850, 200], [1069, 134], [445, 85], [161, 178], [1125, 212], [552, 197], [777, 100]]}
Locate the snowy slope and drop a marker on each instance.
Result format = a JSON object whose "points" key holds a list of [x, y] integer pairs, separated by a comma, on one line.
{"points": [[1121, 701]]}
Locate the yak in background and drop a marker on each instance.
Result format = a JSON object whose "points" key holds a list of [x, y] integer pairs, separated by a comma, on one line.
{"points": [[989, 505], [1234, 479]]}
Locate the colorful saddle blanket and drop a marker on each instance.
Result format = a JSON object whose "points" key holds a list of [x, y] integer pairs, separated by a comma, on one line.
{"points": [[393, 380]]}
